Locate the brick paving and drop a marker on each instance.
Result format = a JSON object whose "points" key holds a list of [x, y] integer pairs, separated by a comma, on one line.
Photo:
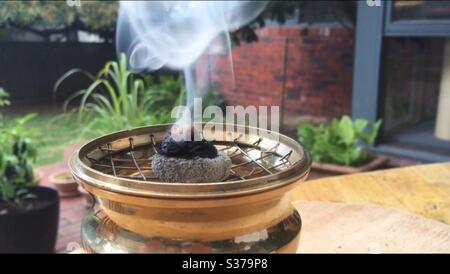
{"points": [[72, 210]]}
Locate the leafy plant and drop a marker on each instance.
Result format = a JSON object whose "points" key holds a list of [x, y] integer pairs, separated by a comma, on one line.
{"points": [[342, 141], [17, 150], [162, 95], [118, 99], [4, 101], [46, 18], [4, 98], [214, 98]]}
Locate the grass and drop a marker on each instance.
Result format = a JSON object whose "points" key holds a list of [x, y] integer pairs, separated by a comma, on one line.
{"points": [[57, 133]]}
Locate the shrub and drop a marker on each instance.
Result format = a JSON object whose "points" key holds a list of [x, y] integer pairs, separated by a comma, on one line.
{"points": [[4, 98], [117, 99], [342, 141], [17, 151]]}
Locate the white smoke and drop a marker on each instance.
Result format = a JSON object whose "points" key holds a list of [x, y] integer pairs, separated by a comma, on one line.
{"points": [[174, 34]]}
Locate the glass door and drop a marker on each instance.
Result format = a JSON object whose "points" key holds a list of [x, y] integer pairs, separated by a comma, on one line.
{"points": [[414, 92]]}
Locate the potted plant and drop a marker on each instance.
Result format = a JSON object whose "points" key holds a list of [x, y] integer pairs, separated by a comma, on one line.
{"points": [[28, 213], [342, 146], [64, 183]]}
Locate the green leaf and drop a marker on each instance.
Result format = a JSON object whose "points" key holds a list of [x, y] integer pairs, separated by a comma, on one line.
{"points": [[346, 131], [68, 74], [360, 125], [117, 99], [306, 134], [4, 98], [374, 132]]}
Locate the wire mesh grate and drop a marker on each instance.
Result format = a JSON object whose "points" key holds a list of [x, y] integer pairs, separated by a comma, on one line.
{"points": [[248, 160]]}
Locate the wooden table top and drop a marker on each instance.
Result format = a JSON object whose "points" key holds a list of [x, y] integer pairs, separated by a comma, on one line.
{"points": [[347, 228], [396, 210], [422, 190]]}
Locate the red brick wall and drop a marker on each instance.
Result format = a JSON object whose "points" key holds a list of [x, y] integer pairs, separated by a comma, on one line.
{"points": [[317, 75]]}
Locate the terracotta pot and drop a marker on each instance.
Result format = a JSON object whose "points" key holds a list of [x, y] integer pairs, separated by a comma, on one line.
{"points": [[376, 163], [65, 184]]}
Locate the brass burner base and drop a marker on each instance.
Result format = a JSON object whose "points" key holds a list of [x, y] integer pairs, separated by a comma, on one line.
{"points": [[250, 211], [101, 235]]}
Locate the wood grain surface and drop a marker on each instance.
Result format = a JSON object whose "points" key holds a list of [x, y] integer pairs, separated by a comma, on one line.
{"points": [[345, 228], [423, 190]]}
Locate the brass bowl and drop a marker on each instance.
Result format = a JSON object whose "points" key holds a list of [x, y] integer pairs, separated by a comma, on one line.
{"points": [[249, 212]]}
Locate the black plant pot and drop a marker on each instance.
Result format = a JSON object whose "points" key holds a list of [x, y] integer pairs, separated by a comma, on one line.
{"points": [[33, 231]]}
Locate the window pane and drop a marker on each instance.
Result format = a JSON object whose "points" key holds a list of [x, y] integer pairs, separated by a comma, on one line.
{"points": [[420, 10], [415, 88]]}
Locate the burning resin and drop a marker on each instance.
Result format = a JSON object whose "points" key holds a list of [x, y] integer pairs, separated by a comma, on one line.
{"points": [[190, 161]]}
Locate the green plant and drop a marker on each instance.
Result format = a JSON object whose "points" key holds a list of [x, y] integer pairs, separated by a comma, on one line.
{"points": [[342, 141], [4, 101], [4, 98], [117, 99], [162, 95], [17, 151], [46, 18], [214, 98]]}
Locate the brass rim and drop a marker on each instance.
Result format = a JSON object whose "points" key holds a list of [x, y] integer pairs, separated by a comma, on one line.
{"points": [[85, 174]]}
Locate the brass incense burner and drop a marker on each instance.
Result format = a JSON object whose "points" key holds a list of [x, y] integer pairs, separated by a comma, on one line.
{"points": [[250, 211]]}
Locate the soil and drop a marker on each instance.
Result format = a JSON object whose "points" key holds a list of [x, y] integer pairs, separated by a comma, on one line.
{"points": [[64, 176]]}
